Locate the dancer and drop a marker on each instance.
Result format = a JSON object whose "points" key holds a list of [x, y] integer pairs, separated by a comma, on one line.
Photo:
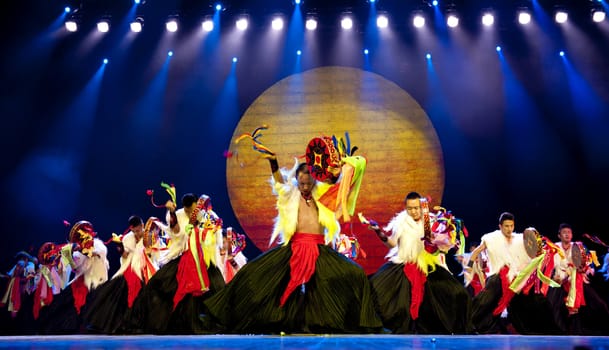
{"points": [[18, 299], [171, 302], [51, 279], [303, 285], [87, 257], [114, 299], [413, 292], [507, 256], [579, 309]]}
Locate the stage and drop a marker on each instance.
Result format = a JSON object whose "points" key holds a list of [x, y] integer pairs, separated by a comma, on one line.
{"points": [[319, 342]]}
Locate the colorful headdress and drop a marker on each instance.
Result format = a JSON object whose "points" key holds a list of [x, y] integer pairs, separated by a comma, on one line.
{"points": [[237, 241], [446, 223], [343, 145], [203, 213]]}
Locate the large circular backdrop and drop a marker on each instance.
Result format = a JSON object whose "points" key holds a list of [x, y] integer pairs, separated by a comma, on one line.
{"points": [[387, 125]]}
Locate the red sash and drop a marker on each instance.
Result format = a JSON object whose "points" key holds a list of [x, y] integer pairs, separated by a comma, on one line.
{"points": [[417, 281], [302, 262], [189, 270], [134, 285], [228, 270], [506, 293], [79, 291], [42, 296]]}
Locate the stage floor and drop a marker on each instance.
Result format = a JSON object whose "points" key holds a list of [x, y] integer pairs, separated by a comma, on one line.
{"points": [[301, 342]]}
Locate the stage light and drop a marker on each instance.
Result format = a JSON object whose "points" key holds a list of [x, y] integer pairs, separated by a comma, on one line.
{"points": [[524, 17], [366, 51], [311, 24], [498, 48], [71, 25], [170, 53], [561, 53], [428, 56], [346, 23], [242, 24], [172, 25], [67, 9], [218, 7], [598, 16], [277, 23], [137, 2], [418, 21], [105, 61], [561, 16], [298, 52], [488, 19], [297, 2], [207, 25], [103, 26], [136, 25], [382, 21], [434, 2], [234, 59], [452, 21]]}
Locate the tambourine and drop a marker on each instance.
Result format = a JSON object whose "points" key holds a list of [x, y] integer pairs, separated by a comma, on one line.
{"points": [[82, 233], [532, 242], [49, 254], [81, 230], [151, 232], [579, 255], [321, 154]]}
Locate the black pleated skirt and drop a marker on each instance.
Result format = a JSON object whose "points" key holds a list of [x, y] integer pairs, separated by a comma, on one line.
{"points": [[445, 309], [337, 298], [153, 313]]}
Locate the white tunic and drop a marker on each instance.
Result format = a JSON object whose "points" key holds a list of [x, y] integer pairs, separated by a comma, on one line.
{"points": [[178, 241], [563, 266], [408, 234], [503, 253]]}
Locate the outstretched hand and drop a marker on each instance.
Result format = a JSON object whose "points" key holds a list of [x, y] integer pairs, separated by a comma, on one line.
{"points": [[372, 225]]}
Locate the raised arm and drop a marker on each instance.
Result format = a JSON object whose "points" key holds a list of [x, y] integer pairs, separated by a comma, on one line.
{"points": [[172, 218], [475, 254], [275, 168]]}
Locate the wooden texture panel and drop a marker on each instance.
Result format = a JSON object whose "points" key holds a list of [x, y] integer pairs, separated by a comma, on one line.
{"points": [[390, 128]]}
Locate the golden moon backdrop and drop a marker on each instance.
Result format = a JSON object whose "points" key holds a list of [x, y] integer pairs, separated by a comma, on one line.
{"points": [[387, 125]]}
